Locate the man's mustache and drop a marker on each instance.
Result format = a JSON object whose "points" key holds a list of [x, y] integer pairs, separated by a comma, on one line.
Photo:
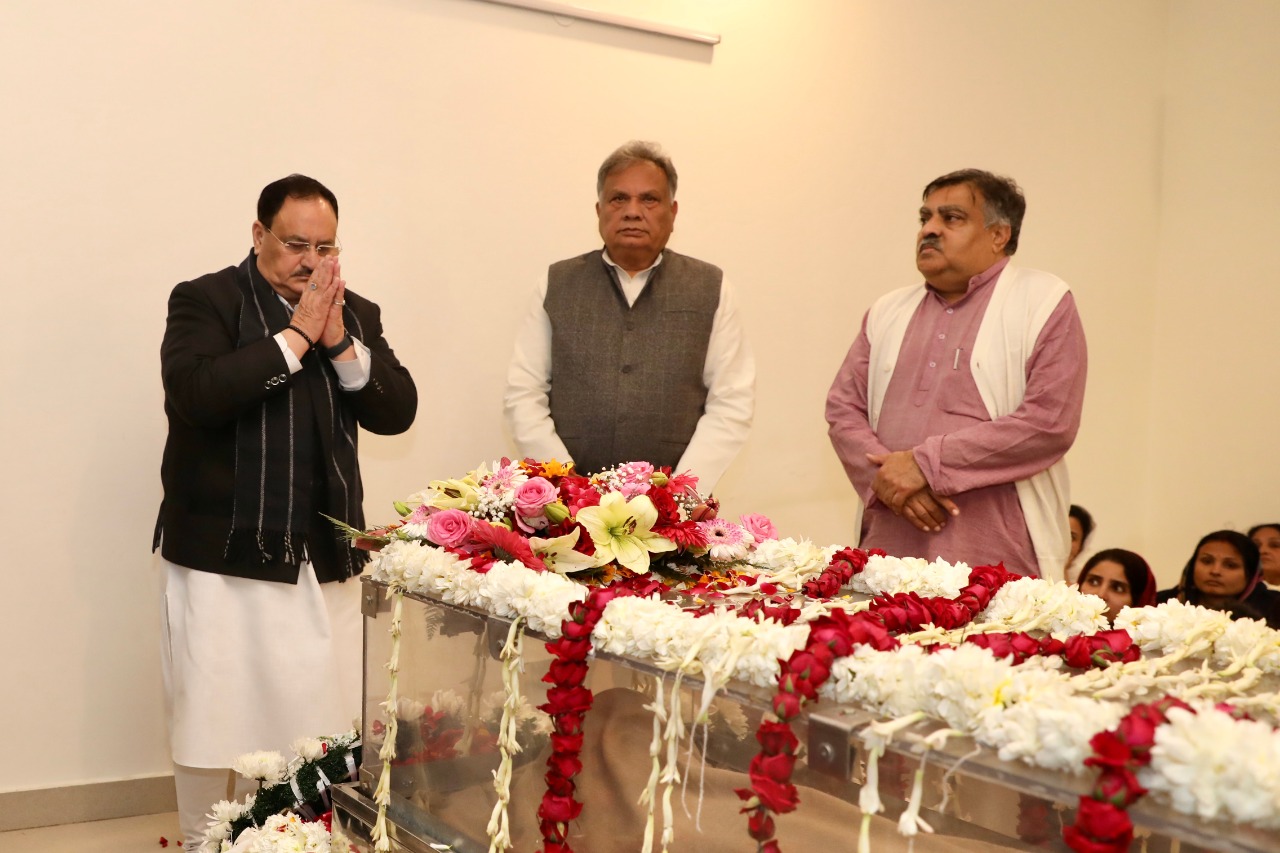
{"points": [[929, 243]]}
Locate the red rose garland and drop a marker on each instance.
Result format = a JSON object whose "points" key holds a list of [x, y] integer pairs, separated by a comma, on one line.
{"points": [[1102, 822], [830, 638], [568, 701]]}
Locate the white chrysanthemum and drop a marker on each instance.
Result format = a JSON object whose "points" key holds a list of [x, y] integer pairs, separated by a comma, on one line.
{"points": [[889, 575], [1174, 628], [1038, 720], [409, 709], [412, 530], [265, 766], [284, 833], [1248, 642], [1034, 604], [893, 683], [790, 563], [309, 748], [451, 702], [1211, 765]]}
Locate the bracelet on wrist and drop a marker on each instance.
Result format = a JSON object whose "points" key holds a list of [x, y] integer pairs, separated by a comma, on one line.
{"points": [[310, 343], [338, 348]]}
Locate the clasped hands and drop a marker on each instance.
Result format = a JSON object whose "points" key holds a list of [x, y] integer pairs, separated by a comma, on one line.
{"points": [[900, 485], [319, 309]]}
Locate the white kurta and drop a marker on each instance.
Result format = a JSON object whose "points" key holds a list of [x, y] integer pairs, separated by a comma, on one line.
{"points": [[253, 665]]}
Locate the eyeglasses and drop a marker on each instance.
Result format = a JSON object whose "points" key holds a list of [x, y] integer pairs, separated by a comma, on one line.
{"points": [[300, 247]]}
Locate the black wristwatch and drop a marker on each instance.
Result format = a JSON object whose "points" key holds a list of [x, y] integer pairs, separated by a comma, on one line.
{"points": [[338, 348]]}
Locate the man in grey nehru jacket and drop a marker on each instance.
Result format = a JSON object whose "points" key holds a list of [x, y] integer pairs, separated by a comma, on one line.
{"points": [[633, 352]]}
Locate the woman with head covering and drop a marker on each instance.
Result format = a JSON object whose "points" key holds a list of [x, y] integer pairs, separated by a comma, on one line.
{"points": [[1267, 538], [1120, 578], [1223, 574], [1081, 524]]}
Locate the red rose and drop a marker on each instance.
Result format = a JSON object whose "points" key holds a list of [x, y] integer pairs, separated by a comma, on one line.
{"points": [[566, 743], [948, 614], [760, 825], [779, 797], [567, 649], [1118, 786], [1024, 645], [1138, 729], [1078, 651], [777, 738], [566, 673], [775, 767], [786, 706], [810, 667], [568, 700], [558, 786], [771, 847], [665, 504], [559, 809], [565, 764], [1101, 822], [998, 644], [1109, 750], [793, 682], [869, 632]]}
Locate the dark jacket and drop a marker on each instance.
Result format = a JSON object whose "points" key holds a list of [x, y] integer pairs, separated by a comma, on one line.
{"points": [[208, 384]]}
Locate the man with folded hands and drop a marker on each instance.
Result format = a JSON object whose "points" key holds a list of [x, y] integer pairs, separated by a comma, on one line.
{"points": [[269, 369]]}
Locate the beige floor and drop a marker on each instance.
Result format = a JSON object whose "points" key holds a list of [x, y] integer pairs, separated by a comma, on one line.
{"points": [[124, 835]]}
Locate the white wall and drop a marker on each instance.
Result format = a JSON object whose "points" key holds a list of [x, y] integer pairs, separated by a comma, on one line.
{"points": [[462, 141]]}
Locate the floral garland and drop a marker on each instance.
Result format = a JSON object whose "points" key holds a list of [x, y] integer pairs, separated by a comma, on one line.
{"points": [[1102, 822], [568, 701], [830, 638]]}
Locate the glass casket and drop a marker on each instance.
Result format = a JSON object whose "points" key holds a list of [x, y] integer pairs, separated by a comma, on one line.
{"points": [[451, 691]]}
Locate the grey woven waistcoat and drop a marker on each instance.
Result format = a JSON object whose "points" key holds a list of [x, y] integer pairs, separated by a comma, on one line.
{"points": [[626, 382]]}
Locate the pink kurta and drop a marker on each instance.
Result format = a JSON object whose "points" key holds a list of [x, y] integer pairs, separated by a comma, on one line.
{"points": [[932, 406]]}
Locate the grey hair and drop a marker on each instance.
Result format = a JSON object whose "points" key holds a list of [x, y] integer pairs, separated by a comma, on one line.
{"points": [[1003, 201], [637, 151]]}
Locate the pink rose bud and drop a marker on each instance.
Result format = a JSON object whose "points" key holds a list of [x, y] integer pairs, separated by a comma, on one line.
{"points": [[450, 528]]}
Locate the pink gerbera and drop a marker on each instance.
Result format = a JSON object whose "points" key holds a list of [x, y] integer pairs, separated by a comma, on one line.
{"points": [[727, 541]]}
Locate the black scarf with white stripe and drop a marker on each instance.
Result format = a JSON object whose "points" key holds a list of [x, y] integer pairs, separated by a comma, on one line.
{"points": [[296, 452]]}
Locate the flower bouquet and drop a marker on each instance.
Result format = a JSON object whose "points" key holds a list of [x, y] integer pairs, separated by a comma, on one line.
{"points": [[627, 522]]}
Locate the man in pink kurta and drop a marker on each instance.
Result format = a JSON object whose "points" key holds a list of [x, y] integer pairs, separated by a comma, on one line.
{"points": [[959, 398]]}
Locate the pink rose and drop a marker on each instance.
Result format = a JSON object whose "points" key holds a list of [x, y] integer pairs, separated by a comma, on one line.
{"points": [[759, 526], [533, 494], [450, 528]]}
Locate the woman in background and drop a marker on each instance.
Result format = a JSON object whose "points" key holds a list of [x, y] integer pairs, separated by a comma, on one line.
{"points": [[1267, 538], [1081, 524], [1120, 578], [1223, 574]]}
